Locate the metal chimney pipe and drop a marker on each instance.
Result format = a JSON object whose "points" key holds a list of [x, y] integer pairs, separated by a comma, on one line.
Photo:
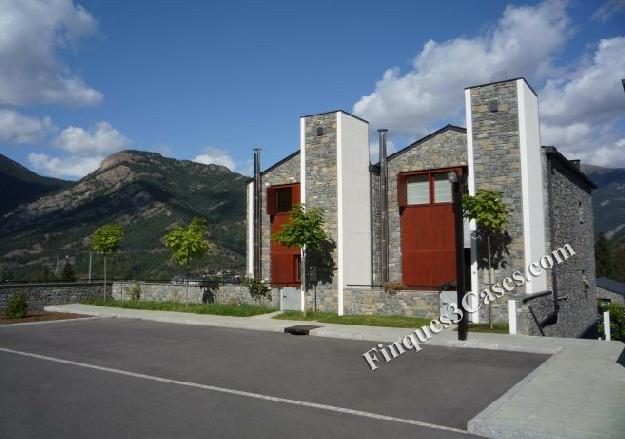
{"points": [[383, 204], [257, 215]]}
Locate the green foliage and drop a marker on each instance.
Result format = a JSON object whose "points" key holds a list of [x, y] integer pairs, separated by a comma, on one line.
{"points": [[241, 310], [391, 288], [305, 228], [617, 321], [487, 209], [188, 243], [106, 239], [67, 274], [135, 292], [17, 308], [259, 290]]}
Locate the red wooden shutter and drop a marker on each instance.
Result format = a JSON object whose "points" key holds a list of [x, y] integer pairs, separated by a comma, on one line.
{"points": [[271, 201], [402, 197], [295, 194]]}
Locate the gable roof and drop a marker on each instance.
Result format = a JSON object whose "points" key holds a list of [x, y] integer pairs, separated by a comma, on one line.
{"points": [[611, 285], [426, 138], [275, 165], [553, 153]]}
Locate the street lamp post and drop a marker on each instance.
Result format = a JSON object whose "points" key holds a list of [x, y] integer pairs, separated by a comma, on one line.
{"points": [[457, 184]]}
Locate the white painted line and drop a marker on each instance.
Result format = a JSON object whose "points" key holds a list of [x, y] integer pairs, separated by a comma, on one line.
{"points": [[236, 392]]}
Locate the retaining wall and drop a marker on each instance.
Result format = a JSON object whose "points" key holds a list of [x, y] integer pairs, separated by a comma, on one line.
{"points": [[424, 304], [40, 295]]}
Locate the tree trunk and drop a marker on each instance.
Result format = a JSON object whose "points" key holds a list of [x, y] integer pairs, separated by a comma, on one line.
{"points": [[187, 289], [490, 283], [104, 288]]}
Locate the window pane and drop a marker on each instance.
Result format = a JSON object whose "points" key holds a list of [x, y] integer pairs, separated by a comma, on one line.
{"points": [[418, 189], [442, 188], [283, 199]]}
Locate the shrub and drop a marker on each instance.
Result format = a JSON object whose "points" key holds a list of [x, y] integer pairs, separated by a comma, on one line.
{"points": [[259, 290], [17, 306], [135, 292], [391, 288], [617, 321]]}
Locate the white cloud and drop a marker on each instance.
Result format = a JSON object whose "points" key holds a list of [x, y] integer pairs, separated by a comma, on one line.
{"points": [[216, 156], [524, 42], [103, 139], [31, 34], [20, 128], [608, 10], [68, 166]]}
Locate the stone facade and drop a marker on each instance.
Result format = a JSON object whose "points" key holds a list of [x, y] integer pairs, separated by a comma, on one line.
{"points": [[613, 297], [41, 295], [285, 172], [497, 167], [162, 292], [425, 304], [322, 191], [446, 148]]}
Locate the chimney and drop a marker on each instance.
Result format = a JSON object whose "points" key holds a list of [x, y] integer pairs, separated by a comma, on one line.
{"points": [[383, 205], [257, 214], [576, 163]]}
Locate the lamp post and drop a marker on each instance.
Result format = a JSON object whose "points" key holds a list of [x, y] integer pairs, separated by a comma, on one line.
{"points": [[457, 182]]}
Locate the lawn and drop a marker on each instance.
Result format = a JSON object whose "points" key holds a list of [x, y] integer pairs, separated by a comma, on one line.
{"points": [[498, 328], [369, 320], [242, 310]]}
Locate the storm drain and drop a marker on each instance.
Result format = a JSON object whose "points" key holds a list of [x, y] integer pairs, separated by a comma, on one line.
{"points": [[300, 329]]}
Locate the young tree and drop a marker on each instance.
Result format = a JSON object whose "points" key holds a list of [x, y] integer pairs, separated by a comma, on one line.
{"points": [[106, 240], [305, 230], [67, 274], [188, 243], [491, 216]]}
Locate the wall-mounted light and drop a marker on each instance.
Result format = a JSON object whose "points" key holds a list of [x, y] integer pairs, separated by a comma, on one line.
{"points": [[493, 106], [452, 176]]}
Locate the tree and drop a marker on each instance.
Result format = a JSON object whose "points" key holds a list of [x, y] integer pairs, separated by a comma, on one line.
{"points": [[188, 243], [491, 216], [304, 230], [106, 240], [67, 274]]}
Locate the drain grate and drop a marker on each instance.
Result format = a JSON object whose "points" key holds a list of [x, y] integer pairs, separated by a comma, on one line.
{"points": [[300, 329]]}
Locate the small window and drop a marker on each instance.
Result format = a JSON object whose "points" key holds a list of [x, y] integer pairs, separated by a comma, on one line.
{"points": [[319, 131], [284, 199], [442, 188], [580, 209], [418, 189]]}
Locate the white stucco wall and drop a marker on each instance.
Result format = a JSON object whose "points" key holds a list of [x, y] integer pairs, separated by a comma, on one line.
{"points": [[354, 203], [532, 182]]}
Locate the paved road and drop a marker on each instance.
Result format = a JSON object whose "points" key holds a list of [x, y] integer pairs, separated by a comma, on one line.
{"points": [[284, 386]]}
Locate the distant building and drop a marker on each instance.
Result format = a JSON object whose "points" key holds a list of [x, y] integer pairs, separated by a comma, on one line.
{"points": [[610, 291], [548, 196]]}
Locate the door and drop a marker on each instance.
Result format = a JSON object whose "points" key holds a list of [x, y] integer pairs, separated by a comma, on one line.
{"points": [[427, 230]]}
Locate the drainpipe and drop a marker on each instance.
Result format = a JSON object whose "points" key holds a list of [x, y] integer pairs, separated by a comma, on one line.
{"points": [[257, 214], [383, 204]]}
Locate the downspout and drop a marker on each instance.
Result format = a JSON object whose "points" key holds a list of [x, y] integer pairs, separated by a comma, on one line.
{"points": [[383, 204], [257, 215]]}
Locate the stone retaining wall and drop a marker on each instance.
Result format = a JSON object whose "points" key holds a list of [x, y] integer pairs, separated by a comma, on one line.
{"points": [[166, 292], [41, 295], [424, 304]]}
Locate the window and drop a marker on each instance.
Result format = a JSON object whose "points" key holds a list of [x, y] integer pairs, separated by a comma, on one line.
{"points": [[580, 211], [418, 189], [442, 188], [284, 199]]}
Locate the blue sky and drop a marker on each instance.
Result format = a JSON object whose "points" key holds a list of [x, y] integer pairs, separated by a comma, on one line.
{"points": [[209, 81]]}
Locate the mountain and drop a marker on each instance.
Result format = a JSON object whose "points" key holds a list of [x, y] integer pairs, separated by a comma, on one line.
{"points": [[25, 185], [145, 192], [608, 200]]}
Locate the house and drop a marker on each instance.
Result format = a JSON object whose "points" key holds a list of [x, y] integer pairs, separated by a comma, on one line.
{"points": [[393, 221], [610, 291]]}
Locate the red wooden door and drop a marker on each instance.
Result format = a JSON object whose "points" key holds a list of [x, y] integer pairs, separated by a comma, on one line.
{"points": [[428, 243], [284, 260]]}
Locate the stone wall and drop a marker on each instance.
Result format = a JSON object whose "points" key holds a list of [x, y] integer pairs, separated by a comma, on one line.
{"points": [[497, 167], [572, 223], [41, 295], [321, 191], [224, 293], [425, 304], [444, 149]]}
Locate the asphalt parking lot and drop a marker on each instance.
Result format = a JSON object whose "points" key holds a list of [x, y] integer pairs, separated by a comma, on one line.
{"points": [[116, 378]]}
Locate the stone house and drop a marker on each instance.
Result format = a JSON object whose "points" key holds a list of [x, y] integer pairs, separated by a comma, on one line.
{"points": [[393, 221], [610, 291]]}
